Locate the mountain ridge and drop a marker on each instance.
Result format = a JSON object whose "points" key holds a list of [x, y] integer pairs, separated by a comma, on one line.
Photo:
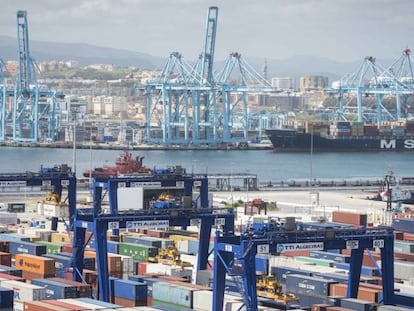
{"points": [[85, 54]]}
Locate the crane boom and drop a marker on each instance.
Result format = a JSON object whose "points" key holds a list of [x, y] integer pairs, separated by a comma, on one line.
{"points": [[209, 44]]}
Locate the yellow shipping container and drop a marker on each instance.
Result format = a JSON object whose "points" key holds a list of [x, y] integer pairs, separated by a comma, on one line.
{"points": [[60, 237]]}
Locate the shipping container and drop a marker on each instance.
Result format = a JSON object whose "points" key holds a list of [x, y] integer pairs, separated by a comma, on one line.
{"points": [[357, 304], [13, 237], [130, 290], [21, 247], [281, 272], [349, 218], [175, 294], [16, 207], [51, 248], [5, 259], [316, 261], [136, 251], [25, 291], [35, 264], [308, 285], [372, 271], [56, 290], [404, 246], [42, 306], [329, 256], [83, 290], [10, 270], [65, 304], [6, 298]]}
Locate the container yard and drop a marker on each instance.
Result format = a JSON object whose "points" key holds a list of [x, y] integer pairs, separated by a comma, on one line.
{"points": [[135, 255]]}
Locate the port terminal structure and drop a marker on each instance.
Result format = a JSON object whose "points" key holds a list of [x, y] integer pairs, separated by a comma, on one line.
{"points": [[196, 105], [33, 115], [98, 220], [272, 239], [55, 178], [372, 79]]}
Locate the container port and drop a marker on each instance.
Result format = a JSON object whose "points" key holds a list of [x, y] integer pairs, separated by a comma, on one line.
{"points": [[142, 259]]}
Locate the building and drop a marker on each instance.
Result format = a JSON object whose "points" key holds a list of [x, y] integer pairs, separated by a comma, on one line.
{"points": [[283, 83], [312, 83]]}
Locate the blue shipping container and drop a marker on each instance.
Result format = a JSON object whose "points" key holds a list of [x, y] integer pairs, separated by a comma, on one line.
{"points": [[56, 290], [281, 272], [10, 270], [131, 290], [6, 298], [21, 247], [262, 264], [308, 285]]}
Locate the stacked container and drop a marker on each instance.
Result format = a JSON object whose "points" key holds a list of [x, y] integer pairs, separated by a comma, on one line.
{"points": [[35, 266], [130, 293]]}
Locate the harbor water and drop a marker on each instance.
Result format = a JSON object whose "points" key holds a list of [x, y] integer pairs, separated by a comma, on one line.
{"points": [[267, 164]]}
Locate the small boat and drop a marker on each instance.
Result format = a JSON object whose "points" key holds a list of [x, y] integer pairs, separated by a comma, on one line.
{"points": [[125, 164]]}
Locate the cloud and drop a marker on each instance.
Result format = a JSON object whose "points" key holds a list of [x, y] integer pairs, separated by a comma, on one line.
{"points": [[341, 29]]}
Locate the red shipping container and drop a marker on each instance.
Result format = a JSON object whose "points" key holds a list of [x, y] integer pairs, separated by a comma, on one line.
{"points": [[5, 259], [63, 304], [349, 218], [319, 307], [11, 277], [42, 306], [129, 303]]}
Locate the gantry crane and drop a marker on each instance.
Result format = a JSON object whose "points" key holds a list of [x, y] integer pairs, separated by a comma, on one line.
{"points": [[139, 215], [34, 107], [3, 97], [26, 97], [57, 177], [371, 79], [274, 239]]}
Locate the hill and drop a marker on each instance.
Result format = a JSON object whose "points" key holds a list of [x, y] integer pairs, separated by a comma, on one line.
{"points": [[90, 54]]}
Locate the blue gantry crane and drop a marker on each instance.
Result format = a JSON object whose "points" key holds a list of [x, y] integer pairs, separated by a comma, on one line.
{"points": [[57, 177], [371, 79], [273, 239], [3, 97], [196, 105], [33, 115], [142, 214]]}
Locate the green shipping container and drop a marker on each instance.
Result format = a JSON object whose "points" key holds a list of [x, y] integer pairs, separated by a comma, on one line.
{"points": [[137, 251], [51, 248], [317, 261]]}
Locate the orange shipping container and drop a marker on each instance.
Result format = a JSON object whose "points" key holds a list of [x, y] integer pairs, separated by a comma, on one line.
{"points": [[35, 264]]}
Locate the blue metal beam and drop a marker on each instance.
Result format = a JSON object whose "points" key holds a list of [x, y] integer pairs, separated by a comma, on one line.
{"points": [[276, 240]]}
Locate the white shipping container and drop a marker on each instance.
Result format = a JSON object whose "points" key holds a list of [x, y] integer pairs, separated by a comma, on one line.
{"points": [[78, 303], [127, 266], [52, 210], [402, 270], [203, 300], [25, 291], [130, 198], [404, 288], [8, 219], [18, 305]]}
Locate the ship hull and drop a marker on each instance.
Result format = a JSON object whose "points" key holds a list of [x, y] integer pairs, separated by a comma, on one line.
{"points": [[291, 140]]}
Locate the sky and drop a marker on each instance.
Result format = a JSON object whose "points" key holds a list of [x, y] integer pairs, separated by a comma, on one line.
{"points": [[343, 30]]}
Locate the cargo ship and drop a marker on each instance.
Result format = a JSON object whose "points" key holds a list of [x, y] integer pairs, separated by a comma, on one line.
{"points": [[124, 164], [343, 136]]}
